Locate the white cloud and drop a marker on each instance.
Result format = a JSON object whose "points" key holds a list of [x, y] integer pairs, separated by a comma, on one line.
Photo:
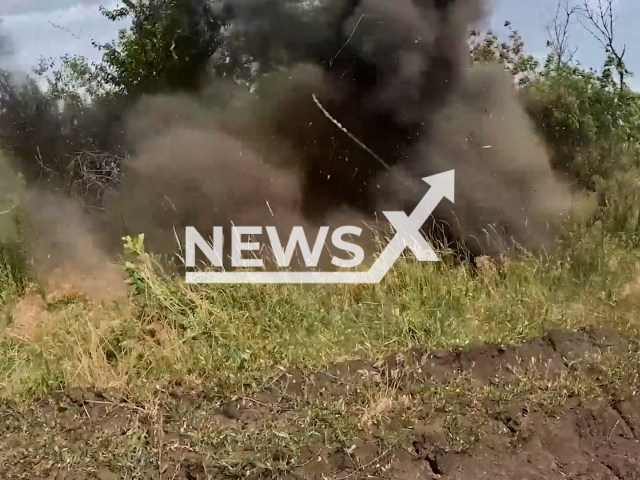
{"points": [[16, 7], [56, 32]]}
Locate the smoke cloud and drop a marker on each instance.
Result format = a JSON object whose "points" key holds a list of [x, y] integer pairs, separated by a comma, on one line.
{"points": [[506, 192], [5, 44], [397, 77]]}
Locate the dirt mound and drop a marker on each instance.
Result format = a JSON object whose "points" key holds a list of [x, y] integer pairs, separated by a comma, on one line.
{"points": [[68, 257], [551, 408], [29, 315]]}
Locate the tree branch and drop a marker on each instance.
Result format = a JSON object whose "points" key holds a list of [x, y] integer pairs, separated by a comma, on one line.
{"points": [[599, 21], [559, 33]]}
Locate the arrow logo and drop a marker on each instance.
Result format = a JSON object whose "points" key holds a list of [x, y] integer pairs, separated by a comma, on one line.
{"points": [[407, 236]]}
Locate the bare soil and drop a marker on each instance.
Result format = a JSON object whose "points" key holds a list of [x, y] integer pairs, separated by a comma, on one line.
{"points": [[501, 432]]}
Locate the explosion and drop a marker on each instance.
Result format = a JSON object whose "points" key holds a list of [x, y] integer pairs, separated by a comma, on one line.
{"points": [[377, 95]]}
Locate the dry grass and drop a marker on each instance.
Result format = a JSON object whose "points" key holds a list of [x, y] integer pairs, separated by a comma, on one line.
{"points": [[235, 338], [233, 342]]}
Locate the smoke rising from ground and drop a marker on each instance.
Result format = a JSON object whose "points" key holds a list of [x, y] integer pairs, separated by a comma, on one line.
{"points": [[505, 190], [68, 257], [191, 171], [397, 76]]}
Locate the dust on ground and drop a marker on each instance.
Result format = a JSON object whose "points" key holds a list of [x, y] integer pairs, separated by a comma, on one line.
{"points": [[448, 415], [28, 316], [66, 253]]}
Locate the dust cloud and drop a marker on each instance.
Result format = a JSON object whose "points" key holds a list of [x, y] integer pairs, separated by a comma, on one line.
{"points": [[397, 77]]}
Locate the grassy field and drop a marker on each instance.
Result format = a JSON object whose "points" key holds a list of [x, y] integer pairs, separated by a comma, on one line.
{"points": [[527, 369], [235, 337], [252, 381]]}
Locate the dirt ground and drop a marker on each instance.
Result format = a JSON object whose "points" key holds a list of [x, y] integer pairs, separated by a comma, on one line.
{"points": [[501, 432]]}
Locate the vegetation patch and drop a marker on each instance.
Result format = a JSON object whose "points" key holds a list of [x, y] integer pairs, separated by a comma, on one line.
{"points": [[491, 368]]}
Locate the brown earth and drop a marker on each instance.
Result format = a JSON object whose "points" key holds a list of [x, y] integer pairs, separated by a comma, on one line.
{"points": [[485, 413], [29, 315]]}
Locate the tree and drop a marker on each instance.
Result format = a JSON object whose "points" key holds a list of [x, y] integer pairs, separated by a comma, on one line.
{"points": [[558, 31], [167, 48], [600, 22], [488, 48]]}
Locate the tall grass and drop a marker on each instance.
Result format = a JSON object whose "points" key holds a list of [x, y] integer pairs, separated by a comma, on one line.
{"points": [[235, 338]]}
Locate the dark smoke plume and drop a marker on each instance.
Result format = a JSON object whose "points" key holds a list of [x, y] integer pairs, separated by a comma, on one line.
{"points": [[396, 76], [506, 191], [191, 170]]}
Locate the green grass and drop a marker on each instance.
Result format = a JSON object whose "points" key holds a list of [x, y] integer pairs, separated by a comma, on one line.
{"points": [[234, 341], [235, 338], [13, 274]]}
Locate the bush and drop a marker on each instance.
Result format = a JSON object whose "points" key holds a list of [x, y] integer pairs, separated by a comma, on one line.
{"points": [[592, 126], [72, 133]]}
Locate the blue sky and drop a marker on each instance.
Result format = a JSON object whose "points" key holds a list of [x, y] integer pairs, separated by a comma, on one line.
{"points": [[531, 18], [51, 28]]}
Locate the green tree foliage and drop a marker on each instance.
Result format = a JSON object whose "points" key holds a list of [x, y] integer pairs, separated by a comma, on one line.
{"points": [[489, 48], [167, 47], [590, 122]]}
